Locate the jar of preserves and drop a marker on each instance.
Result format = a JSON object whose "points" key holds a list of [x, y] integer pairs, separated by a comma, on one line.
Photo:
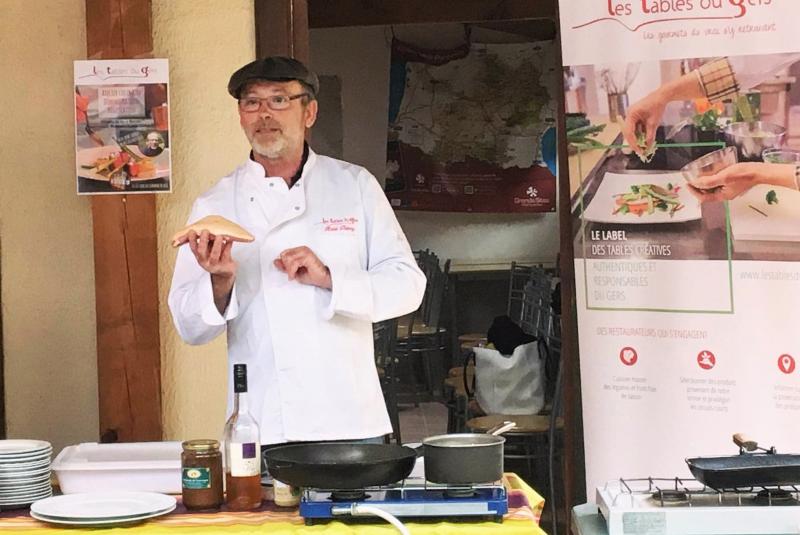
{"points": [[201, 475]]}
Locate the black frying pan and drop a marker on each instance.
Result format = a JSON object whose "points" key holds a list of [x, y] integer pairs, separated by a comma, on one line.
{"points": [[339, 465], [746, 470]]}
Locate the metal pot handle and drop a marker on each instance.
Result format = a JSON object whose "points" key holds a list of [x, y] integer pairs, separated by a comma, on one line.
{"points": [[746, 445], [502, 428], [744, 442]]}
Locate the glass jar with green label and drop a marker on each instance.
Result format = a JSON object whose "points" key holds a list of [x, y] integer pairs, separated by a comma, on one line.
{"points": [[201, 475]]}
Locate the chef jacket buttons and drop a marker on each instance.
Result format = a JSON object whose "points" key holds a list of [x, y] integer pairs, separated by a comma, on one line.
{"points": [[272, 184], [297, 208]]}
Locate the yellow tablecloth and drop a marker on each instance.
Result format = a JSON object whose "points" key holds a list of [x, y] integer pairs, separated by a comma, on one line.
{"points": [[525, 508]]}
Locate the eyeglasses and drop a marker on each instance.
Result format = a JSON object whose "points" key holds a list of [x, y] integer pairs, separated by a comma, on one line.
{"points": [[274, 102]]}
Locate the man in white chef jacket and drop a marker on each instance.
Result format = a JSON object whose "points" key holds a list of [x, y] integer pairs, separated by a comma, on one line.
{"points": [[329, 259]]}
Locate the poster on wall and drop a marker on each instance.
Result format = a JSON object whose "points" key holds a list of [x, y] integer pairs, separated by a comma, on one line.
{"points": [[684, 142], [122, 142], [472, 129]]}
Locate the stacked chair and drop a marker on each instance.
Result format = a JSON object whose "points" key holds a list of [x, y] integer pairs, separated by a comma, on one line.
{"points": [[421, 336], [384, 335]]}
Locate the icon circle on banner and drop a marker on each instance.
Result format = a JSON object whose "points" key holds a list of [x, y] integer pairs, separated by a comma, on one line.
{"points": [[706, 359], [628, 356], [786, 364]]}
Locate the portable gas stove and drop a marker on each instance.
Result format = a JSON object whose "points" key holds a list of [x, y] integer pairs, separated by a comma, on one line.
{"points": [[686, 507], [413, 497]]}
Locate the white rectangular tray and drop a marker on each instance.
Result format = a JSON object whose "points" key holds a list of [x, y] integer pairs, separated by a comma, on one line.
{"points": [[135, 466]]}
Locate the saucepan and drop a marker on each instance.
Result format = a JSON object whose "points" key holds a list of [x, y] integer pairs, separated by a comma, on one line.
{"points": [[751, 468], [465, 458]]}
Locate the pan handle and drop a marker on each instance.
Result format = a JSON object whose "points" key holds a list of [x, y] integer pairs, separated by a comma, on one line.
{"points": [[502, 428], [744, 442]]}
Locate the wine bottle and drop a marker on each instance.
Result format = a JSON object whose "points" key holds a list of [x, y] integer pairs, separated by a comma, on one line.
{"points": [[242, 450]]}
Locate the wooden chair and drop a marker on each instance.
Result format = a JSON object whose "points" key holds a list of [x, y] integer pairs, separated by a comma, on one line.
{"points": [[458, 388], [384, 335], [422, 338], [519, 276]]}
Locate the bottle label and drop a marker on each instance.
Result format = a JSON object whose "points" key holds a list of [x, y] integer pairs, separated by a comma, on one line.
{"points": [[196, 478], [245, 459]]}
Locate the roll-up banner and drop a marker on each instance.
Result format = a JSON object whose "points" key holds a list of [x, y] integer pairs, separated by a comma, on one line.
{"points": [[683, 127]]}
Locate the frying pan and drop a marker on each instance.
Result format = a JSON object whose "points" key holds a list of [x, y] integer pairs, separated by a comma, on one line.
{"points": [[340, 465], [746, 470]]}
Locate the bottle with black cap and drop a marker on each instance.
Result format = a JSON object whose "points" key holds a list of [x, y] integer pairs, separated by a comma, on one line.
{"points": [[242, 450]]}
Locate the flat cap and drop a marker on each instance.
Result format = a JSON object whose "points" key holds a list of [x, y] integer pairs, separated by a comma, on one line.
{"points": [[275, 68]]}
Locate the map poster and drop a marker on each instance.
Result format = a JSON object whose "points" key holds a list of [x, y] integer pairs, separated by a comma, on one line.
{"points": [[472, 129], [122, 141]]}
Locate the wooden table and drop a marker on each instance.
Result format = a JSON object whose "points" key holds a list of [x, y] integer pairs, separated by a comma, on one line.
{"points": [[525, 508]]}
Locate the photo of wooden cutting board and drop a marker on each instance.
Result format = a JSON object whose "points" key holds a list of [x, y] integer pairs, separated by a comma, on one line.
{"points": [[753, 219]]}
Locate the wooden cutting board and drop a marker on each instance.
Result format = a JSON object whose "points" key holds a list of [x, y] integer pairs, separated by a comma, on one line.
{"points": [[778, 222]]}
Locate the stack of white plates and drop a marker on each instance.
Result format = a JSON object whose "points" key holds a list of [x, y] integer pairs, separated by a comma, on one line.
{"points": [[102, 508], [24, 472]]}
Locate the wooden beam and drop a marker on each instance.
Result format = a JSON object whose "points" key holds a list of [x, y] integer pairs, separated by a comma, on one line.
{"points": [[282, 28], [335, 13], [574, 464], [126, 260], [118, 29]]}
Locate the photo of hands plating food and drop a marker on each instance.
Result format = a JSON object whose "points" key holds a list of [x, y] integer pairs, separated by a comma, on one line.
{"points": [[698, 155]]}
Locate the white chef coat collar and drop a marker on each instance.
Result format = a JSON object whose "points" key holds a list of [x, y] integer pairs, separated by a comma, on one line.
{"points": [[256, 169]]}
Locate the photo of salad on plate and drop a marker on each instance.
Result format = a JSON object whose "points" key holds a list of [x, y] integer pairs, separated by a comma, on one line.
{"points": [[647, 199]]}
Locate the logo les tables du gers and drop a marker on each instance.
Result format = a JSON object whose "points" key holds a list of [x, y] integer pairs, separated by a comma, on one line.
{"points": [[635, 14], [101, 72]]}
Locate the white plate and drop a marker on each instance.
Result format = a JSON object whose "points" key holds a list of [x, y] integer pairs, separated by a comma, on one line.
{"points": [[27, 473], [5, 486], [113, 521], [19, 467], [26, 499], [90, 156], [100, 505], [12, 447], [25, 458], [602, 206], [4, 482], [40, 492], [18, 445], [39, 488], [112, 518], [25, 486]]}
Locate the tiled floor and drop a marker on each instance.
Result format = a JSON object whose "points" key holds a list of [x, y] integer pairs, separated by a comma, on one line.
{"points": [[426, 420]]}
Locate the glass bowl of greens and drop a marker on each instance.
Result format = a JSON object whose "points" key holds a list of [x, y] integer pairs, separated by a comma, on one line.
{"points": [[781, 156], [709, 164]]}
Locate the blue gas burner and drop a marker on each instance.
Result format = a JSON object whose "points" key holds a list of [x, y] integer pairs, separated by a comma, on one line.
{"points": [[412, 498]]}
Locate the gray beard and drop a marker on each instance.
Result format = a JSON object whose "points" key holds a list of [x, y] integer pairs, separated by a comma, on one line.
{"points": [[270, 150]]}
